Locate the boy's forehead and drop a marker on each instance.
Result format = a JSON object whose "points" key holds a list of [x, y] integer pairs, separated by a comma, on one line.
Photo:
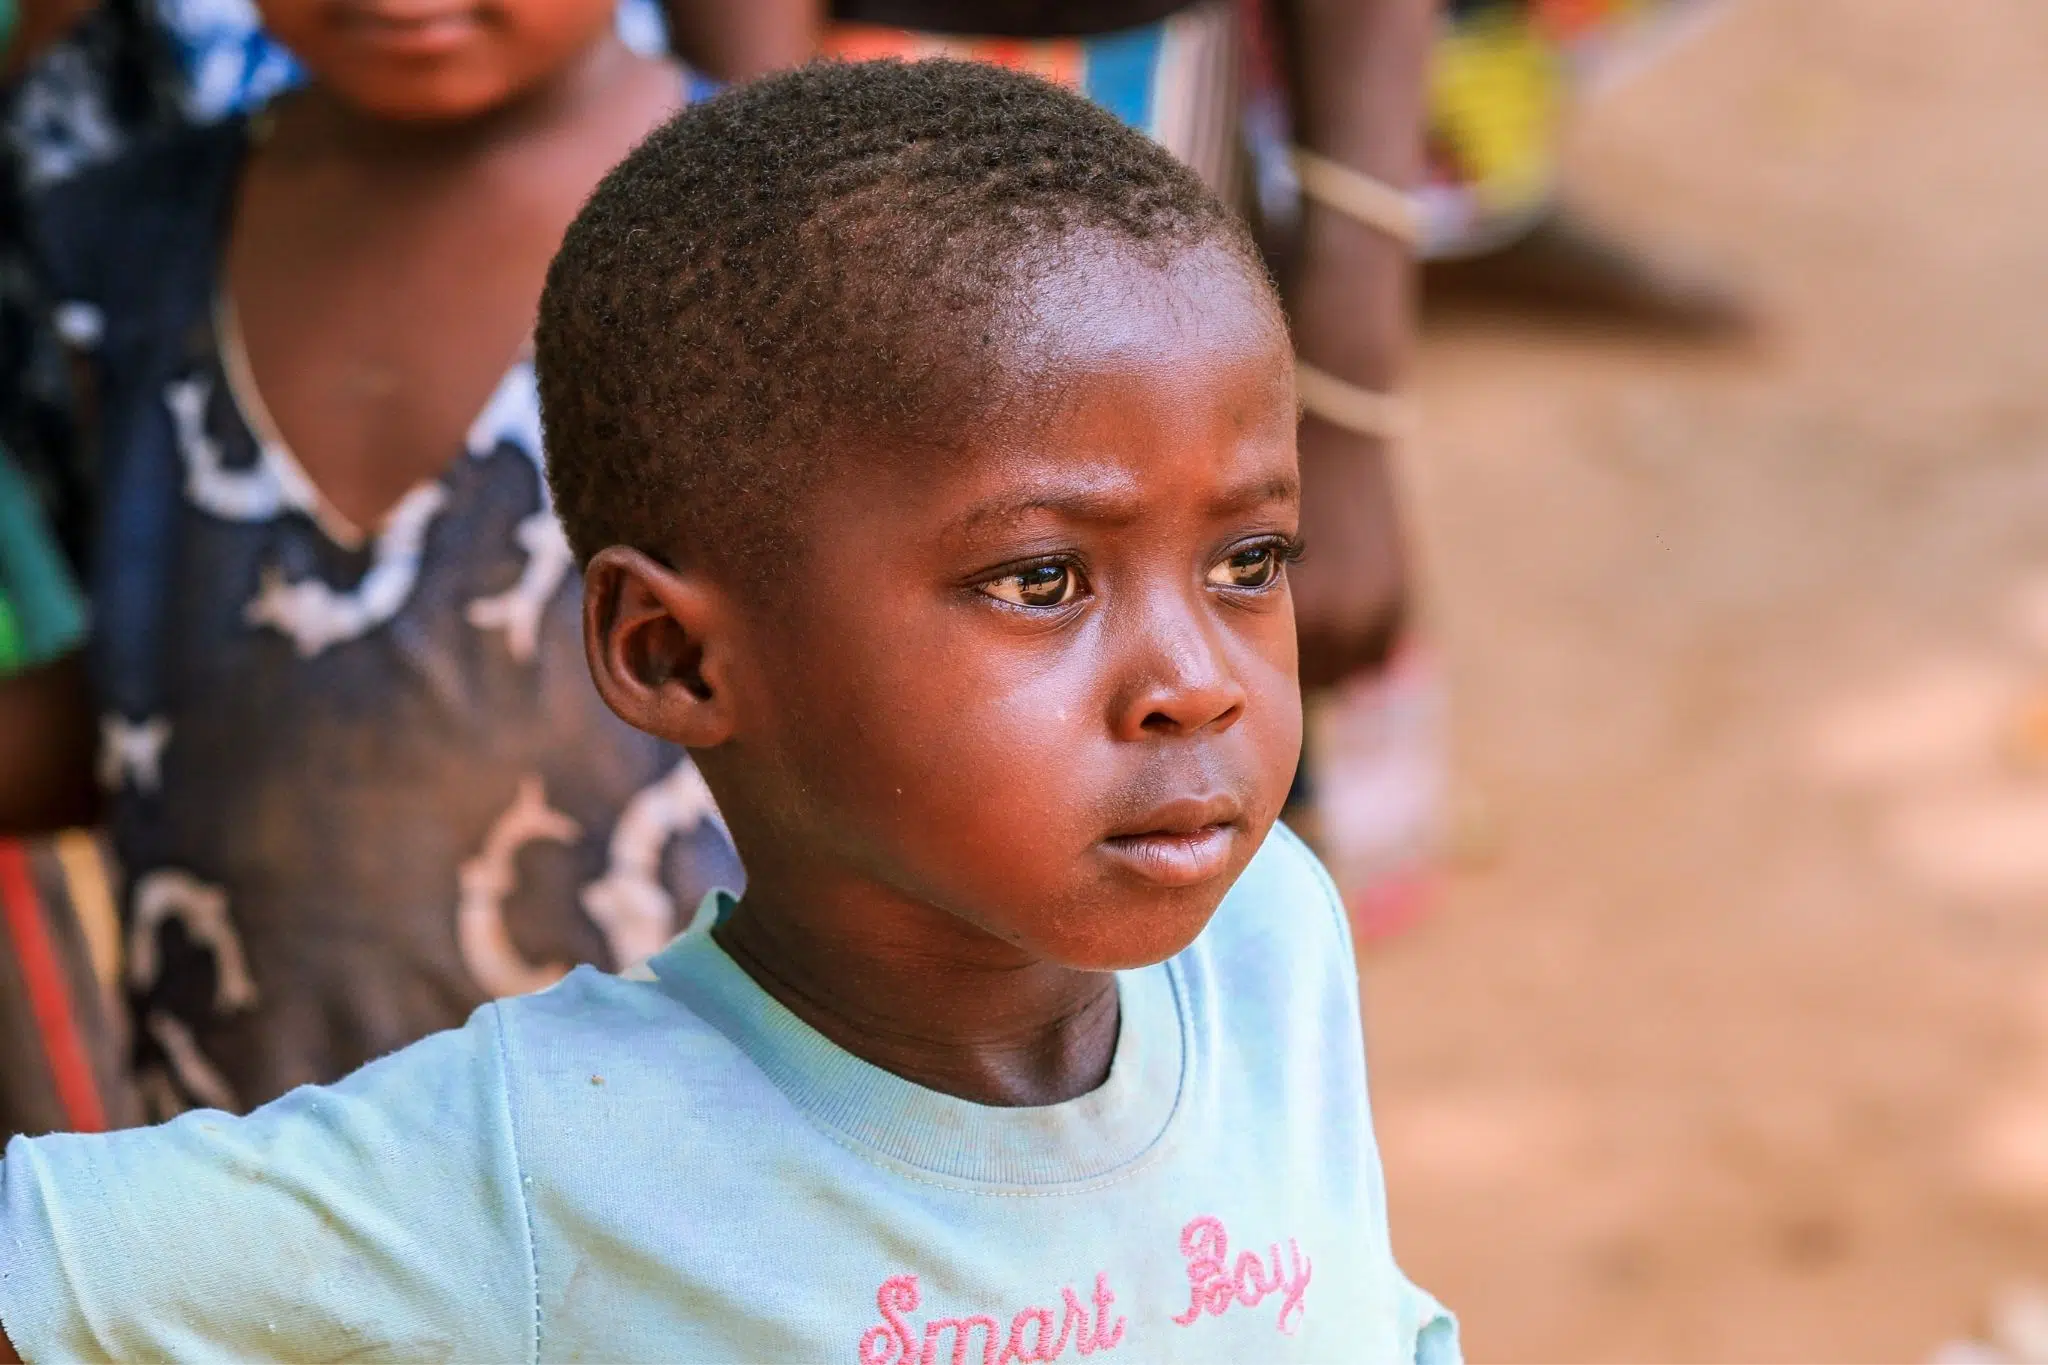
{"points": [[1126, 385], [1105, 302], [1212, 436]]}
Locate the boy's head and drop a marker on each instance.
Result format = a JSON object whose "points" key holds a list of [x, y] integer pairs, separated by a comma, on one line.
{"points": [[434, 61], [929, 437]]}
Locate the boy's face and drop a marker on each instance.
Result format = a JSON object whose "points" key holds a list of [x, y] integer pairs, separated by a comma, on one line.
{"points": [[1047, 685], [433, 60]]}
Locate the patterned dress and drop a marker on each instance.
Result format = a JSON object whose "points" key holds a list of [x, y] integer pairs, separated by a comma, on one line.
{"points": [[360, 779]]}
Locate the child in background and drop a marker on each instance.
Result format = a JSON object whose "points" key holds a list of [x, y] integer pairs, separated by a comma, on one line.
{"points": [[358, 780], [930, 440]]}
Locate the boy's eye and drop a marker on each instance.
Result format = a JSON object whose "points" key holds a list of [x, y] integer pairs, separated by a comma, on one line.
{"points": [[1255, 566], [1041, 585]]}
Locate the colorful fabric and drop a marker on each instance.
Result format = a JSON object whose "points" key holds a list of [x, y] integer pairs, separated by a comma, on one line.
{"points": [[677, 1168], [61, 1063], [359, 781], [1503, 78], [1180, 81]]}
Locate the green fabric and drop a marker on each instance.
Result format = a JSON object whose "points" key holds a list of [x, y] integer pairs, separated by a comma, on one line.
{"points": [[6, 24], [12, 649], [42, 615]]}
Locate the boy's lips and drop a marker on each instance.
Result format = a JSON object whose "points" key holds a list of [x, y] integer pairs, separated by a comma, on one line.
{"points": [[1180, 843], [414, 32]]}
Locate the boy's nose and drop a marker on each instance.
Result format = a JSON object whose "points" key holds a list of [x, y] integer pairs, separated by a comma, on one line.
{"points": [[1182, 684]]}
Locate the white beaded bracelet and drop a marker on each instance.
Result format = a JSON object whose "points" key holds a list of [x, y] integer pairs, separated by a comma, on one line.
{"points": [[1386, 416], [1358, 196]]}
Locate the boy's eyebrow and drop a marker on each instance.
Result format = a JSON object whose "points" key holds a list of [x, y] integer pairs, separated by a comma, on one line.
{"points": [[1115, 502], [1110, 503], [1274, 488]]}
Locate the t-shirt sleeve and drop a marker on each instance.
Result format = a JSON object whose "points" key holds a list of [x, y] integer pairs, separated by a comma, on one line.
{"points": [[1435, 1331], [380, 1218]]}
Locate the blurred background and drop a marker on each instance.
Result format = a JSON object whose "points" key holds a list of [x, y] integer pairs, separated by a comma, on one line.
{"points": [[1728, 1039]]}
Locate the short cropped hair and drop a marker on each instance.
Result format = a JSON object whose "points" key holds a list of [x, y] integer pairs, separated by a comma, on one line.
{"points": [[818, 265]]}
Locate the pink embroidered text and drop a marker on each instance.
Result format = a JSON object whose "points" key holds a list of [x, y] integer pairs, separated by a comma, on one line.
{"points": [[896, 1340], [1214, 1284]]}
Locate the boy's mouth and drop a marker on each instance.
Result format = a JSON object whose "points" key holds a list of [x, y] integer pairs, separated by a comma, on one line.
{"points": [[1181, 843], [413, 30]]}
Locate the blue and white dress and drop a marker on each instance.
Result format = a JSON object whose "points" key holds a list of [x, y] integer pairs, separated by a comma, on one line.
{"points": [[360, 779]]}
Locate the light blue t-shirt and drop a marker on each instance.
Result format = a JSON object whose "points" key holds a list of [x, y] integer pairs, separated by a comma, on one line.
{"points": [[678, 1169]]}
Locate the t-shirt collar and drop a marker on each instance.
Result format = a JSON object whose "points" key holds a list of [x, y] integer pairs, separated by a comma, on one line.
{"points": [[1093, 1138]]}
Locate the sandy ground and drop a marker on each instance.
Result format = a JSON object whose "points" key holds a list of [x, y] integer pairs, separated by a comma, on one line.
{"points": [[1733, 1045]]}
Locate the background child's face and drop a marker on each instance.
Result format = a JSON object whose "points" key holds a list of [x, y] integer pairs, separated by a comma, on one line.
{"points": [[1048, 685], [434, 60]]}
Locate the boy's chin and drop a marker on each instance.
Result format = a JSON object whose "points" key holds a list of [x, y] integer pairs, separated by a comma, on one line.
{"points": [[423, 102], [1136, 935]]}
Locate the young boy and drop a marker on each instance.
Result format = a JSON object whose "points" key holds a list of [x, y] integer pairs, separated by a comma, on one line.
{"points": [[929, 438], [358, 781]]}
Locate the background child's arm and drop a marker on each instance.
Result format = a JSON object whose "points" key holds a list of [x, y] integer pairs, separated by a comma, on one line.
{"points": [[47, 742], [1355, 81]]}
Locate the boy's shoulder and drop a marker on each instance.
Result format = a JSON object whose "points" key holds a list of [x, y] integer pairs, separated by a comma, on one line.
{"points": [[591, 1014], [1284, 902], [1277, 955], [632, 1038]]}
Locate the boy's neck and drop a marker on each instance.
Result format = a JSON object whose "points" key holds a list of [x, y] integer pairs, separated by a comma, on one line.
{"points": [[580, 92], [925, 996]]}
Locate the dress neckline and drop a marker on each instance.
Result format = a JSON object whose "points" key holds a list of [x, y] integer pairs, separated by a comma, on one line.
{"points": [[245, 398]]}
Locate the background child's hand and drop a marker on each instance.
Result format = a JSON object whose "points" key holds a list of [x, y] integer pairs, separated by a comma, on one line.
{"points": [[1350, 589]]}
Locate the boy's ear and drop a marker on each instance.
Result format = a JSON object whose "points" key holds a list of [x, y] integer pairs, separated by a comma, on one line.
{"points": [[659, 645]]}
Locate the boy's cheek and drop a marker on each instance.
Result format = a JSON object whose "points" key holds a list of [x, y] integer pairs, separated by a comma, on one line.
{"points": [[985, 771]]}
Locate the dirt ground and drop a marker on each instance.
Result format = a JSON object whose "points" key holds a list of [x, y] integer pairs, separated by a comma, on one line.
{"points": [[1729, 1039]]}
